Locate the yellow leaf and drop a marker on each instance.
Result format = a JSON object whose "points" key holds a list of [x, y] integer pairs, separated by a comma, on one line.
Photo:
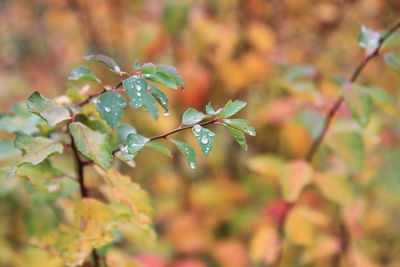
{"points": [[265, 245], [295, 177], [94, 222], [334, 188], [266, 165], [131, 194]]}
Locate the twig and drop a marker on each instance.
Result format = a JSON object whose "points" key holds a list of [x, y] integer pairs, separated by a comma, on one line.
{"points": [[344, 234]]}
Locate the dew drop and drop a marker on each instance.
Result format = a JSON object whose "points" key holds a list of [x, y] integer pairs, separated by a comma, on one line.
{"points": [[138, 87], [107, 109], [138, 94], [204, 139], [192, 165], [166, 113], [197, 128]]}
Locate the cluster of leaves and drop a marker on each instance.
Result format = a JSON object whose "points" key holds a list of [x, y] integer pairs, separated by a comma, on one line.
{"points": [[92, 128]]}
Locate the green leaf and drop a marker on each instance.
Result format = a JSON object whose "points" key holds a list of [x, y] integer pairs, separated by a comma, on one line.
{"points": [[42, 176], [105, 60], [238, 136], [160, 148], [393, 61], [135, 143], [160, 97], [52, 112], [241, 125], [187, 151], [171, 72], [232, 107], [150, 104], [205, 138], [162, 78], [359, 102], [392, 41], [192, 116], [148, 68], [123, 131], [136, 88], [111, 106], [74, 94], [379, 95], [8, 150], [93, 145], [36, 149], [368, 39], [82, 73], [21, 121], [349, 146]]}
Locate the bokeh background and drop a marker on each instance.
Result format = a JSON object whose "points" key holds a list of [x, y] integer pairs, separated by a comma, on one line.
{"points": [[283, 58]]}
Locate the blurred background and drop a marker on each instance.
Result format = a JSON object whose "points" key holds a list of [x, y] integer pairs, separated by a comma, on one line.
{"points": [[283, 57]]}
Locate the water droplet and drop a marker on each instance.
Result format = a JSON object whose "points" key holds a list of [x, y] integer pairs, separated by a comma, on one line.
{"points": [[124, 149], [138, 94], [52, 188], [204, 139], [192, 165], [107, 109], [138, 87], [166, 113], [96, 101], [197, 128]]}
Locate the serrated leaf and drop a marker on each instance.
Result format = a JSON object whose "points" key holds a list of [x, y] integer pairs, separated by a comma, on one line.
{"points": [[82, 73], [21, 121], [136, 88], [52, 112], [187, 151], [148, 68], [295, 176], [94, 222], [368, 39], [241, 125], [123, 131], [132, 195], [160, 97], [232, 107], [359, 102], [192, 116], [160, 148], [238, 136], [136, 143], [105, 60], [111, 107], [205, 138], [349, 146], [42, 176], [92, 144], [393, 61], [150, 104], [36, 149]]}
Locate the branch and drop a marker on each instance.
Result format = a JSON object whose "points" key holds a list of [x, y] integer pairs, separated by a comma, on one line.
{"points": [[90, 97], [353, 78], [184, 128]]}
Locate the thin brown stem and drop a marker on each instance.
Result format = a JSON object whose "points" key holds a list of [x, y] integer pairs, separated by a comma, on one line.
{"points": [[344, 234], [353, 78]]}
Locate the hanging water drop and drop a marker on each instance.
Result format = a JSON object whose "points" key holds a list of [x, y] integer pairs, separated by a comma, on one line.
{"points": [[204, 140], [138, 87], [166, 113], [138, 94], [107, 109], [192, 165], [197, 128]]}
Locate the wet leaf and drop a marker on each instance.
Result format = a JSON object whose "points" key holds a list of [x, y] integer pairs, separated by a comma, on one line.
{"points": [[52, 112], [187, 151], [205, 138], [232, 107], [238, 136], [136, 88], [160, 148], [123, 131], [136, 143], [111, 107], [241, 125]]}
